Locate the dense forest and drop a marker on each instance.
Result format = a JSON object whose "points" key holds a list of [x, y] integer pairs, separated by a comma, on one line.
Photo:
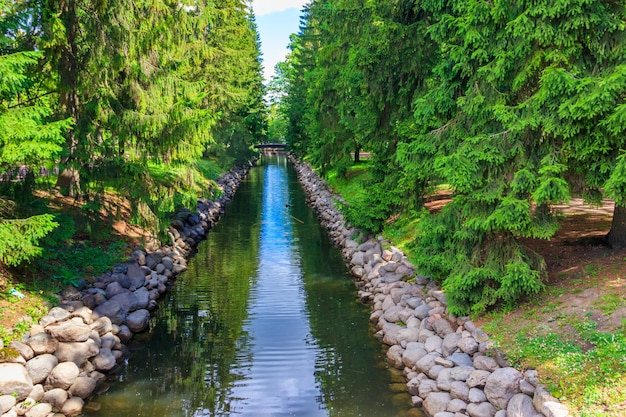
{"points": [[509, 107], [126, 97]]}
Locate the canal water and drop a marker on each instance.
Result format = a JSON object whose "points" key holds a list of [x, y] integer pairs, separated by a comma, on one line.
{"points": [[264, 323]]}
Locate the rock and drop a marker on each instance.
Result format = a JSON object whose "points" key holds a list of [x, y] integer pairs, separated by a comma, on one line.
{"points": [[126, 300], [55, 397], [37, 392], [479, 335], [481, 410], [407, 335], [442, 327], [554, 409], [476, 395], [142, 296], [412, 354], [23, 349], [478, 378], [468, 345], [69, 331], [56, 314], [450, 344], [426, 363], [112, 310], [485, 363], [502, 385], [427, 386], [77, 352], [124, 333], [436, 402], [138, 321], [102, 325], [457, 406], [6, 403], [394, 356], [433, 344], [104, 361], [83, 387], [521, 405], [63, 375], [459, 390], [14, 380], [461, 359], [23, 407], [113, 289], [73, 406], [42, 343], [39, 410], [40, 367], [137, 275]]}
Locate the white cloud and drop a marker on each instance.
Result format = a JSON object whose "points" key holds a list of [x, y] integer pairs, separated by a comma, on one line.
{"points": [[263, 7]]}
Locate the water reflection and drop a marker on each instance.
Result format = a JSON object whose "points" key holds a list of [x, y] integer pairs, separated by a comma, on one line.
{"points": [[264, 323]]}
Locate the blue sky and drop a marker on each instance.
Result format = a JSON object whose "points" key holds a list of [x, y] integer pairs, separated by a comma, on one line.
{"points": [[276, 20]]}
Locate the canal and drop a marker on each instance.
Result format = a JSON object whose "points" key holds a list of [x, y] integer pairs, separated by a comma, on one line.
{"points": [[264, 323]]}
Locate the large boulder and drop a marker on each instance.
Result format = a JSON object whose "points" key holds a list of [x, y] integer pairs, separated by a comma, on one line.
{"points": [[521, 405], [138, 321], [62, 376], [39, 367], [42, 343], [502, 385], [77, 352], [14, 380], [69, 331], [436, 402]]}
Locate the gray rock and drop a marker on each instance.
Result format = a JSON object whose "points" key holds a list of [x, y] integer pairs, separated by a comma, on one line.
{"points": [[62, 376], [502, 385], [412, 354], [394, 357], [427, 362], [112, 310], [137, 275], [104, 361], [476, 395], [478, 378], [42, 343], [485, 363], [462, 373], [73, 407], [138, 321], [113, 289], [142, 295], [6, 403], [436, 402], [14, 379], [55, 397], [479, 335], [459, 390], [69, 331], [526, 387], [433, 373], [433, 344], [77, 352], [421, 312], [442, 327], [450, 344], [500, 413], [468, 345], [426, 386], [83, 387], [444, 414], [521, 405], [126, 300], [39, 410], [481, 410], [554, 409], [461, 359], [55, 315], [445, 380], [457, 406], [40, 367]]}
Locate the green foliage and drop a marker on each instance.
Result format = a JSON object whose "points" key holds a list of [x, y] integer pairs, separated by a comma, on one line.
{"points": [[19, 237]]}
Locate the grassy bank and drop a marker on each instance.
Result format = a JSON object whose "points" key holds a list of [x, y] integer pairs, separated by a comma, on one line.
{"points": [[574, 332]]}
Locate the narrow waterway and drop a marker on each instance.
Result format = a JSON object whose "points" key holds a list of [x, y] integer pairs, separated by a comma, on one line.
{"points": [[264, 323]]}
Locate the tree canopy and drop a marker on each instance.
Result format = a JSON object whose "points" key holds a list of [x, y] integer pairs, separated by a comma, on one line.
{"points": [[511, 106], [124, 94]]}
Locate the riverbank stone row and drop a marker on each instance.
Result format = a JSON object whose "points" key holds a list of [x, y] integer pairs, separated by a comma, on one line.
{"points": [[66, 357], [452, 369]]}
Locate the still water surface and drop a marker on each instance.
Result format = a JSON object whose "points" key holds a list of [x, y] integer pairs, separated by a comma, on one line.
{"points": [[264, 323]]}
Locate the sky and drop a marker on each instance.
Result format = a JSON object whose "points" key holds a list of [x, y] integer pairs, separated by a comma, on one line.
{"points": [[276, 20]]}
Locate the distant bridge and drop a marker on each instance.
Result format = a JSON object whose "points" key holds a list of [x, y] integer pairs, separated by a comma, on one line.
{"points": [[271, 148]]}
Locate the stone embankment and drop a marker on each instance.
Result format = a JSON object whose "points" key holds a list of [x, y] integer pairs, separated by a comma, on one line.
{"points": [[65, 357], [451, 367]]}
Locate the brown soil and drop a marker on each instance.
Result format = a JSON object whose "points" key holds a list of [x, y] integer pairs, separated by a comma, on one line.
{"points": [[586, 278]]}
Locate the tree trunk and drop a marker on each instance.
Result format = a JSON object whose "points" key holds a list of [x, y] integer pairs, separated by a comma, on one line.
{"points": [[68, 182], [357, 154], [617, 234]]}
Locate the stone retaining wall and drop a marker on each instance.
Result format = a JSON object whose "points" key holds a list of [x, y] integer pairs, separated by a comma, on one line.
{"points": [[65, 357], [451, 367]]}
